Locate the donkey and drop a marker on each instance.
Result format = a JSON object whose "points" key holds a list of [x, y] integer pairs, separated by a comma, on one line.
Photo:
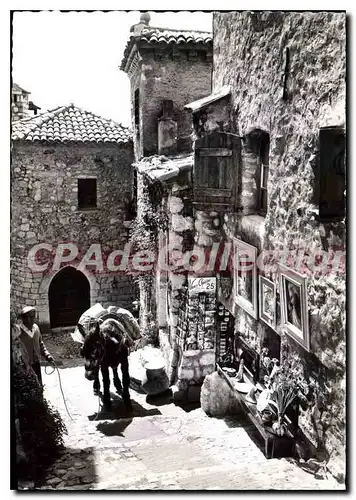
{"points": [[106, 345]]}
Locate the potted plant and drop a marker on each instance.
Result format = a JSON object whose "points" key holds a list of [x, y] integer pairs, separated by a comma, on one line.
{"points": [[285, 388]]}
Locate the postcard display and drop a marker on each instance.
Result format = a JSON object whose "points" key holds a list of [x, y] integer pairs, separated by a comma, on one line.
{"points": [[196, 327], [225, 333]]}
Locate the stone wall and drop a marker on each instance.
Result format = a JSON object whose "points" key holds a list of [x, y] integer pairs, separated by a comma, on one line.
{"points": [[291, 102], [193, 367], [44, 209], [180, 80]]}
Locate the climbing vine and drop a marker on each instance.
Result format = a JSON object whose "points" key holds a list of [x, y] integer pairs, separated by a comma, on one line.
{"points": [[150, 217], [150, 220]]}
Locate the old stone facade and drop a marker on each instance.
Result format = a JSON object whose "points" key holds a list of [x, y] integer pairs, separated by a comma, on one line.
{"points": [[54, 155], [286, 76], [165, 65], [257, 177], [166, 68]]}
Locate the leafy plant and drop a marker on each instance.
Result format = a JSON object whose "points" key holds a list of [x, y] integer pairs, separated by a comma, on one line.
{"points": [[39, 426], [285, 388]]}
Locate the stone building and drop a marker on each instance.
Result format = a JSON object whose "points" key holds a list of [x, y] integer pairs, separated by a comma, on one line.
{"points": [[276, 120], [266, 181], [167, 68], [71, 198], [21, 106]]}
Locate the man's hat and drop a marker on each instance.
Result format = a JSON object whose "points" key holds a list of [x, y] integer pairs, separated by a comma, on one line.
{"points": [[27, 309]]}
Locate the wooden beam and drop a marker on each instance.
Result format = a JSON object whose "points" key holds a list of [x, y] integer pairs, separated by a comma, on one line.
{"points": [[214, 152], [225, 193]]}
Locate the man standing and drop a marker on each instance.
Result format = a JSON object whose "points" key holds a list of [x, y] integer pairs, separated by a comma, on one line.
{"points": [[32, 339]]}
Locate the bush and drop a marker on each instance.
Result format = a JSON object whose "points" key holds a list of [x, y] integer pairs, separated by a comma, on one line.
{"points": [[40, 429]]}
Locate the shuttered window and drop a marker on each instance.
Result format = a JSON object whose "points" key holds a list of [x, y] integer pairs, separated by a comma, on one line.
{"points": [[213, 169], [332, 173]]}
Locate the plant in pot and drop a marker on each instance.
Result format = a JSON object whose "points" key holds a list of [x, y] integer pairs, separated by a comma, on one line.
{"points": [[271, 367], [286, 387]]}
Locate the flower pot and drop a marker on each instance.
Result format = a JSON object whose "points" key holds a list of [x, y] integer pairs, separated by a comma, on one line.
{"points": [[267, 417], [279, 427]]}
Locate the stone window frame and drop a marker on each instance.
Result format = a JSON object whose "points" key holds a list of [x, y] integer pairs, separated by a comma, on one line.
{"points": [[258, 142], [88, 208]]}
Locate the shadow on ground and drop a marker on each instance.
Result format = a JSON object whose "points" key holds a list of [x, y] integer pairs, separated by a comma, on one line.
{"points": [[164, 398], [240, 420], [64, 350], [115, 428], [74, 470], [119, 410], [188, 406]]}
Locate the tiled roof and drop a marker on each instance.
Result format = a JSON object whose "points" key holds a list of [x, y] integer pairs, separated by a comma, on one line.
{"points": [[17, 88], [154, 35], [163, 168], [70, 124], [163, 35]]}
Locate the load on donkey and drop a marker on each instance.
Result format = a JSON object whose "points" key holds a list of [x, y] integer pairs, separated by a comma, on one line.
{"points": [[107, 336]]}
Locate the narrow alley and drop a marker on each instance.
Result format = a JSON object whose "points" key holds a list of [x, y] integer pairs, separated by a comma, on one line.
{"points": [[180, 219], [158, 447]]}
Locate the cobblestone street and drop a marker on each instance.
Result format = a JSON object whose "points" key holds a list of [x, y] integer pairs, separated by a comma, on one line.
{"points": [[158, 447]]}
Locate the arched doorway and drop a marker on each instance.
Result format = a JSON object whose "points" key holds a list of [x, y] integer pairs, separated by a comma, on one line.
{"points": [[69, 297]]}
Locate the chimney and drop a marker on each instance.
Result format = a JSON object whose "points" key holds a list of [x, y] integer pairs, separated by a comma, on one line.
{"points": [[167, 130]]}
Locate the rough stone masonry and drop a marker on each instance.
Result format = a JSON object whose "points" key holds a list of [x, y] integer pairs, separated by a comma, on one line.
{"points": [[45, 209], [292, 103]]}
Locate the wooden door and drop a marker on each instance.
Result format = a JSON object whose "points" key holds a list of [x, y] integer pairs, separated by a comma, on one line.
{"points": [[69, 297]]}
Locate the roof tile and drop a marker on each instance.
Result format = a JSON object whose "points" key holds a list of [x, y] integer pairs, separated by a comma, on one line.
{"points": [[156, 35], [69, 123]]}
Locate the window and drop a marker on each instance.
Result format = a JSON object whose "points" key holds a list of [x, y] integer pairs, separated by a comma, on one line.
{"points": [[332, 173], [257, 142], [86, 194], [264, 162], [137, 110], [131, 210], [213, 161], [167, 109]]}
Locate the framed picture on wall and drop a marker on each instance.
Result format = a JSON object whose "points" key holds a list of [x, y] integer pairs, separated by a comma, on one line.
{"points": [[267, 302], [245, 277], [294, 305]]}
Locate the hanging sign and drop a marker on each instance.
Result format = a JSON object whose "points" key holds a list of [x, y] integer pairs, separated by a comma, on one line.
{"points": [[202, 284]]}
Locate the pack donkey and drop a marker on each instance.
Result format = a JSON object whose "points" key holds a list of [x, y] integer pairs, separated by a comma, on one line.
{"points": [[106, 345]]}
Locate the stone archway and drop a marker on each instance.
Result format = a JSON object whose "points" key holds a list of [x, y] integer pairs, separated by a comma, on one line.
{"points": [[68, 297]]}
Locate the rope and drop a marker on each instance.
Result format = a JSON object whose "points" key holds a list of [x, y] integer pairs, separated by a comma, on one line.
{"points": [[55, 367], [97, 413]]}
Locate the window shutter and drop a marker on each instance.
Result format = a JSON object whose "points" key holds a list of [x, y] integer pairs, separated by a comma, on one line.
{"points": [[332, 174], [213, 169]]}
